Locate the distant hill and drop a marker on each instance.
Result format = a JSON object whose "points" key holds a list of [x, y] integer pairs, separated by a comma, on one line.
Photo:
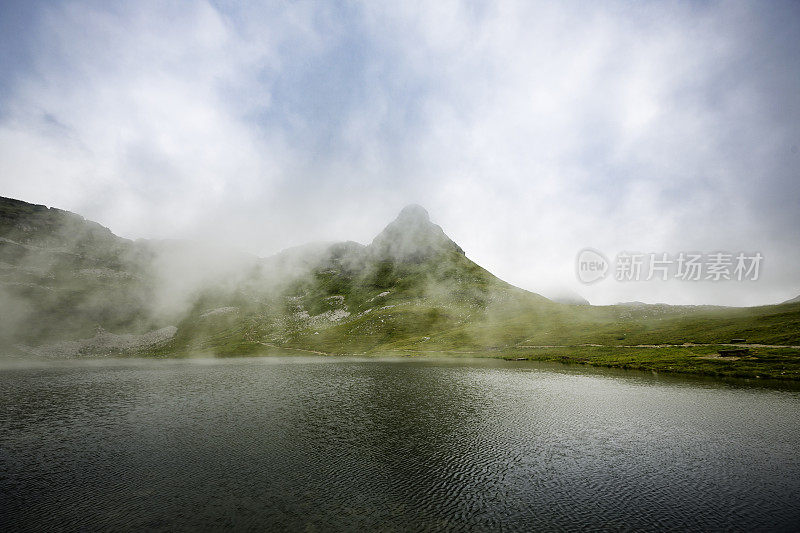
{"points": [[794, 300], [64, 279], [568, 297]]}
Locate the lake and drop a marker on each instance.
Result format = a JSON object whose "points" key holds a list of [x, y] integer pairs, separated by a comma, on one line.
{"points": [[327, 444]]}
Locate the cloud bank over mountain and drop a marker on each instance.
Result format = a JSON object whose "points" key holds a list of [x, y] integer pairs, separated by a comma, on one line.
{"points": [[529, 131]]}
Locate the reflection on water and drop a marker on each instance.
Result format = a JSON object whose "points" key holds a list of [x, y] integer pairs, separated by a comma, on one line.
{"points": [[323, 443]]}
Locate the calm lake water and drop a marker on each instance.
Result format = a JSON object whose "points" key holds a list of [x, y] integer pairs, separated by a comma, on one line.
{"points": [[340, 444]]}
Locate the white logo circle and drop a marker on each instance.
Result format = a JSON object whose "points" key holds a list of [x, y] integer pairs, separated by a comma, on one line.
{"points": [[591, 266]]}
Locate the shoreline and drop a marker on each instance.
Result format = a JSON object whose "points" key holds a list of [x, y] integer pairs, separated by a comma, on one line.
{"points": [[764, 363]]}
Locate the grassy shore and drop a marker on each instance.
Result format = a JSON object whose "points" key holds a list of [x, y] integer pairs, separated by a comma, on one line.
{"points": [[761, 363]]}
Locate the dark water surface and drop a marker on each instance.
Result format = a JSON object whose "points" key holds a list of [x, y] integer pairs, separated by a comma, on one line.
{"points": [[340, 444]]}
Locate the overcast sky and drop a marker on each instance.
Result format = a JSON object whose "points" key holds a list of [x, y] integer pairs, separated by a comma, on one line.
{"points": [[529, 131]]}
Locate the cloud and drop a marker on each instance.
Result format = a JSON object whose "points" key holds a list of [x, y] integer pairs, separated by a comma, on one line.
{"points": [[529, 130], [558, 127], [140, 117]]}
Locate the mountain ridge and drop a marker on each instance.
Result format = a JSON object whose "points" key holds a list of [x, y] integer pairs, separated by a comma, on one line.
{"points": [[412, 289]]}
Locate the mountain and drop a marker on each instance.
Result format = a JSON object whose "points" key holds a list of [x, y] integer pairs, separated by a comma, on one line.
{"points": [[61, 275], [70, 287], [409, 282], [794, 300]]}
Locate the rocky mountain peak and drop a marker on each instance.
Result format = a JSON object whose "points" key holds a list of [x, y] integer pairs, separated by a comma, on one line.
{"points": [[412, 237], [414, 213]]}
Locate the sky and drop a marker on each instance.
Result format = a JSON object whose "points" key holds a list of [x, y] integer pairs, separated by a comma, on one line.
{"points": [[529, 130]]}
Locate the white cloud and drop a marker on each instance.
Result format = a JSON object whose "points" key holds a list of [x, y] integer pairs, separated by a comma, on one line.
{"points": [[529, 130]]}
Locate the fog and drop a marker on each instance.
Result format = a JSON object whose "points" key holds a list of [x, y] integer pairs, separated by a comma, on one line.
{"points": [[529, 131]]}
